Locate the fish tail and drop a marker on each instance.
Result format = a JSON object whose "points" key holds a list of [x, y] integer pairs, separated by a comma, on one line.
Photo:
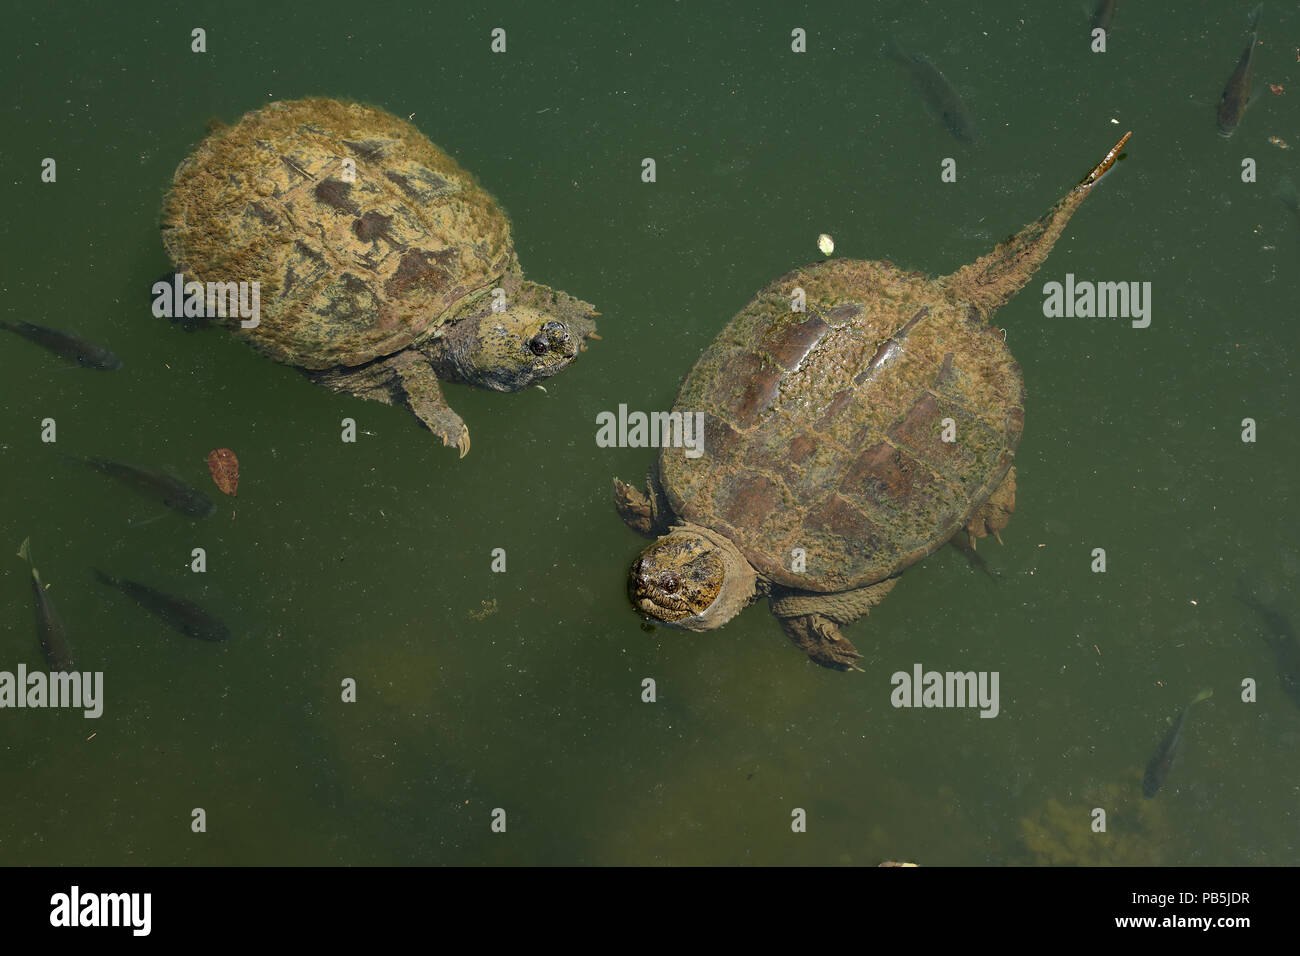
{"points": [[893, 51], [105, 578], [1203, 695], [25, 552], [1252, 21]]}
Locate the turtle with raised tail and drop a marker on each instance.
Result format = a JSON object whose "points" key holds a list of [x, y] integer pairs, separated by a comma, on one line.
{"points": [[383, 265], [842, 442]]}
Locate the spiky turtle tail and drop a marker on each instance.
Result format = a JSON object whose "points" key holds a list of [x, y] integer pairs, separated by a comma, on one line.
{"points": [[990, 281]]}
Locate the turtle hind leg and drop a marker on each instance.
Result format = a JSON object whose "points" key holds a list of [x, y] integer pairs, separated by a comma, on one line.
{"points": [[645, 512], [819, 637], [994, 515], [402, 379], [812, 621]]}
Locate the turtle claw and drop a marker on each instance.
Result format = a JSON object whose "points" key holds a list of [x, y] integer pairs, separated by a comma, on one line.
{"points": [[451, 439], [819, 637], [634, 507], [991, 517]]}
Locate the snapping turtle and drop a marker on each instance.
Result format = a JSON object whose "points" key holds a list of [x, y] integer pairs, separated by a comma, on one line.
{"points": [[842, 443], [383, 265]]}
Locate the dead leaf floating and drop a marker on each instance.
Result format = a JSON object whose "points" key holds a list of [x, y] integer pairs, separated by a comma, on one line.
{"points": [[225, 469]]}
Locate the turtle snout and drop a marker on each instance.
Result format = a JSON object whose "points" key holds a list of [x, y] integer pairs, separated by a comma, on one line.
{"points": [[648, 583]]}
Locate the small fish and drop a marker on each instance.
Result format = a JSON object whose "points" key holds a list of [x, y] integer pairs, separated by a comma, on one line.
{"points": [[178, 613], [1236, 95], [1287, 193], [54, 640], [70, 346], [1103, 15], [939, 94], [1163, 758], [172, 492], [1281, 637]]}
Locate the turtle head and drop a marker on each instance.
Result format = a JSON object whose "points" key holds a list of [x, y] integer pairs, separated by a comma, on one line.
{"points": [[521, 346], [691, 578], [510, 343]]}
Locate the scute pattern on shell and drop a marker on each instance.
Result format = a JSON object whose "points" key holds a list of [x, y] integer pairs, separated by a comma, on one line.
{"points": [[349, 271], [822, 428]]}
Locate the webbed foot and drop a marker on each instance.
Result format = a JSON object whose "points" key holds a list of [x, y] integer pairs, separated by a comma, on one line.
{"points": [[407, 379], [633, 507], [645, 512], [820, 638], [994, 515], [812, 621]]}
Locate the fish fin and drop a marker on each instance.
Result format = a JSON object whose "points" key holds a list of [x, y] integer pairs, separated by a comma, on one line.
{"points": [[140, 524], [1205, 694], [25, 552]]}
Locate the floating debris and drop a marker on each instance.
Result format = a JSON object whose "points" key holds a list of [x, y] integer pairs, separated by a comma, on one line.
{"points": [[487, 610], [225, 469]]}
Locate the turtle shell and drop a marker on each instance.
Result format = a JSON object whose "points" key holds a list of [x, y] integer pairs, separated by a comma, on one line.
{"points": [[823, 429], [362, 233]]}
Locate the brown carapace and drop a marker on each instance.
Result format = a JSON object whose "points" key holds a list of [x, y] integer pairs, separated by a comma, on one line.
{"points": [[855, 416], [383, 267], [225, 469]]}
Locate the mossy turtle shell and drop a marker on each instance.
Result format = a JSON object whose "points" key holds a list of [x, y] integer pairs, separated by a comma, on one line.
{"points": [[824, 430], [361, 231]]}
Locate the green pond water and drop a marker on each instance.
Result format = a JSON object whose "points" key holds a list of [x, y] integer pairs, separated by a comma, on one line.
{"points": [[372, 560]]}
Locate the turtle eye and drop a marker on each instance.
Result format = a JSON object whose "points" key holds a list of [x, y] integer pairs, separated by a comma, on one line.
{"points": [[539, 345], [669, 582]]}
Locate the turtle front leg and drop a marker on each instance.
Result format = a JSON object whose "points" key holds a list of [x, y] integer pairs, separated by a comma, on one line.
{"points": [[812, 621], [994, 515], [647, 513], [424, 397], [405, 378]]}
